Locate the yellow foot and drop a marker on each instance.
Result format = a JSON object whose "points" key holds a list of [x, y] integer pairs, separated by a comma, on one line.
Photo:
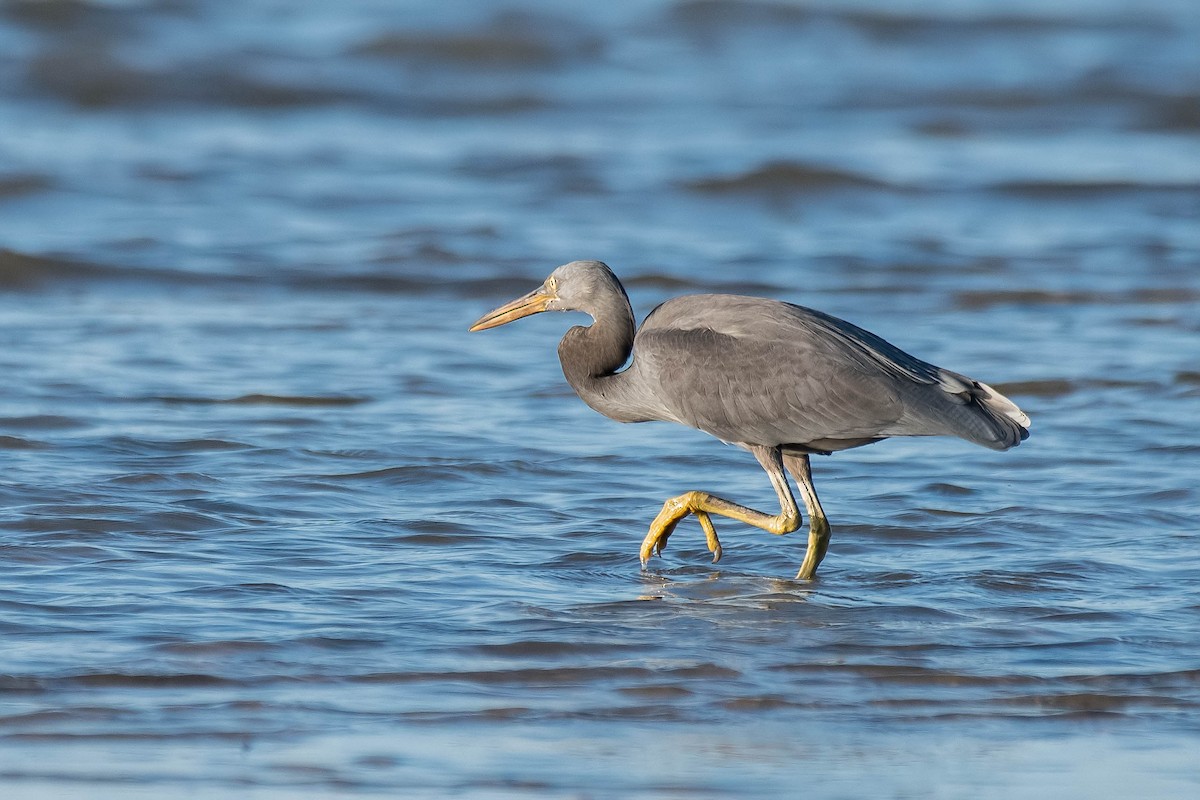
{"points": [[710, 535], [664, 524]]}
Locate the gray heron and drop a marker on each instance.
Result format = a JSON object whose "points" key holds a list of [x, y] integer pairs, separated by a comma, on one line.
{"points": [[780, 380]]}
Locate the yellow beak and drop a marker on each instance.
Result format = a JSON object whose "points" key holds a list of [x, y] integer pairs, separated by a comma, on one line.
{"points": [[532, 303]]}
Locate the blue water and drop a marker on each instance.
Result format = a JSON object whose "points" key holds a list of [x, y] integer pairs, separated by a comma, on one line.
{"points": [[274, 525]]}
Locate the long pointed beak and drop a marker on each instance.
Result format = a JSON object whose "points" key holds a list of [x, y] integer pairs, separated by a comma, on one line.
{"points": [[532, 303]]}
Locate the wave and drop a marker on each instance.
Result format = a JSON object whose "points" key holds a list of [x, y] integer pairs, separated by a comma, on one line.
{"points": [[319, 401], [22, 184], [18, 270], [730, 16], [92, 76], [26, 271], [391, 274], [782, 178], [986, 298], [1071, 189], [510, 41]]}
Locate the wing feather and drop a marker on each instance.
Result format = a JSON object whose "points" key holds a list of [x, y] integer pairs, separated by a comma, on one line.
{"points": [[758, 371], [764, 390]]}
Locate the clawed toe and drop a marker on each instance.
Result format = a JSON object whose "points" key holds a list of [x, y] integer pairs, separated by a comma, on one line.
{"points": [[673, 511], [710, 535]]}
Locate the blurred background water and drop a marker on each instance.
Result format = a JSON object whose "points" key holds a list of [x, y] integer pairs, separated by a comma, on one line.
{"points": [[275, 525]]}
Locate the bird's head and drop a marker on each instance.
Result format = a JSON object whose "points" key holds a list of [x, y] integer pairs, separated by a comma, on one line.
{"points": [[568, 288]]}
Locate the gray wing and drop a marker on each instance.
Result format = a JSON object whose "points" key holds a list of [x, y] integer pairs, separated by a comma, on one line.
{"points": [[762, 372], [758, 371]]}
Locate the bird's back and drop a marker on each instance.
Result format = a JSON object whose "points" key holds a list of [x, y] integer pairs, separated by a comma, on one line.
{"points": [[759, 371]]}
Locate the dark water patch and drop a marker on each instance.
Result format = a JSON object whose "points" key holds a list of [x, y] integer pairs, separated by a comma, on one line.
{"points": [[142, 680], [379, 282], [487, 714], [684, 282], [433, 527], [171, 174], [69, 520], [406, 475], [781, 179], [424, 253], [892, 533], [92, 76], [75, 738], [1166, 495], [513, 40], [86, 17], [18, 443], [177, 480], [890, 25], [910, 674], [54, 549], [257, 399], [760, 703], [1083, 617], [1166, 323], [557, 173], [534, 676], [1174, 114], [1180, 449], [22, 271], [1061, 387], [719, 18], [475, 104], [19, 271], [1018, 583], [986, 298], [657, 691], [41, 422], [219, 648], [711, 17], [542, 649], [73, 715], [1089, 703], [251, 590], [1187, 378], [22, 184], [1049, 387], [645, 712], [339, 643], [175, 521], [1080, 190], [457, 539], [949, 489], [22, 684], [89, 75], [982, 108], [945, 127], [129, 445]]}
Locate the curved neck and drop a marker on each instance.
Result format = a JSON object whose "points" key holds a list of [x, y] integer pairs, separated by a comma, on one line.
{"points": [[591, 356]]}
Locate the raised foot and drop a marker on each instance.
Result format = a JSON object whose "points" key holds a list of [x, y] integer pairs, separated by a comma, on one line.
{"points": [[674, 510]]}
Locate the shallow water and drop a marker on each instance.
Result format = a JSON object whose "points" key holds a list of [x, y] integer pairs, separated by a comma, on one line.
{"points": [[275, 525]]}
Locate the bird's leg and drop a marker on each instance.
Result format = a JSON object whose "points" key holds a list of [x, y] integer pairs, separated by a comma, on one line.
{"points": [[701, 504], [818, 525]]}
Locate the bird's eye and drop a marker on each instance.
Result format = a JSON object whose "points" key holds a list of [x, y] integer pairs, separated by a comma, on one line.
{"points": [[552, 283]]}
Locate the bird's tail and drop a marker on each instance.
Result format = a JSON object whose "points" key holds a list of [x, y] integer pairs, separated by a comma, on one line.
{"points": [[1001, 424]]}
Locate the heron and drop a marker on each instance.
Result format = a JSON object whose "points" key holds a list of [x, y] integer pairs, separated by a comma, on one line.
{"points": [[783, 381]]}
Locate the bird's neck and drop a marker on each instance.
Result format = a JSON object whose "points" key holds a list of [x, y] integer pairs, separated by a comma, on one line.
{"points": [[591, 357]]}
